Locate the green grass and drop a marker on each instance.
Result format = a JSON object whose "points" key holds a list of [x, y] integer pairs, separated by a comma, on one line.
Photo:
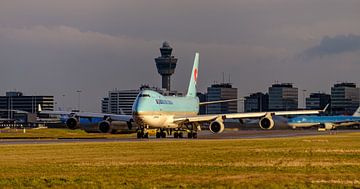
{"points": [[45, 133], [331, 161]]}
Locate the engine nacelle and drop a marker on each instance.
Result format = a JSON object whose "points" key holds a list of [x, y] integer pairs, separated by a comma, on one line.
{"points": [[216, 127], [266, 123], [105, 126], [72, 123], [108, 126]]}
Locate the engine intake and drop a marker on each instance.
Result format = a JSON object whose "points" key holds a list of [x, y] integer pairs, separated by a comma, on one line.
{"points": [[266, 123], [216, 127], [72, 123], [105, 127]]}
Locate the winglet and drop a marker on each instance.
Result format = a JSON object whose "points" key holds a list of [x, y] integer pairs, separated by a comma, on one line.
{"points": [[39, 108], [357, 112], [327, 105]]}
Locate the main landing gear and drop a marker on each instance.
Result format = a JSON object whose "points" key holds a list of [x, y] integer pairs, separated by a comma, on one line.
{"points": [[142, 133], [190, 134], [163, 133]]}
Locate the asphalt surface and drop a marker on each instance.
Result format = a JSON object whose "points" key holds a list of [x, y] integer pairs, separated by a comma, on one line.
{"points": [[202, 135]]}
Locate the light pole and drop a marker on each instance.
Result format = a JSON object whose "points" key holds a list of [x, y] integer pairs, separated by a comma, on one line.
{"points": [[63, 101], [79, 92]]}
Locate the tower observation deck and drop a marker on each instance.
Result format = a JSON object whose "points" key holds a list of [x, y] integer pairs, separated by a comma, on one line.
{"points": [[166, 64]]}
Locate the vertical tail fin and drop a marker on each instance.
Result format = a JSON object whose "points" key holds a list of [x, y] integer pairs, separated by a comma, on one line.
{"points": [[194, 75], [357, 112]]}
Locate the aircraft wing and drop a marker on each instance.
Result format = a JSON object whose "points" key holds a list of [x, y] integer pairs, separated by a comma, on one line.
{"points": [[209, 118], [115, 117]]}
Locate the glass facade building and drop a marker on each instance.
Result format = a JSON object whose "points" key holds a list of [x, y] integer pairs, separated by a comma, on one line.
{"points": [[344, 98], [222, 91], [256, 102], [283, 97]]}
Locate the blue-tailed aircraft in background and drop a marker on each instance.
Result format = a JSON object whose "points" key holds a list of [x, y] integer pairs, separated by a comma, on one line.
{"points": [[325, 122], [173, 115]]}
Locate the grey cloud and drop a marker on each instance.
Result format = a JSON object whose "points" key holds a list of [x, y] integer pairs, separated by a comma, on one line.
{"points": [[57, 47], [334, 45]]}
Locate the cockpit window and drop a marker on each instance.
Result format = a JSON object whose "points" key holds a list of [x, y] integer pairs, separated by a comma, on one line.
{"points": [[144, 95]]}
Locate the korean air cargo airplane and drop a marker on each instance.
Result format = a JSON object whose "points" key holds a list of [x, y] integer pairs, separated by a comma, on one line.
{"points": [[176, 115]]}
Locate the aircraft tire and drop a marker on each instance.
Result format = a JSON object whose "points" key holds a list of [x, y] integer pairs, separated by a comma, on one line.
{"points": [[190, 135], [176, 135], [181, 135], [139, 134], [163, 134]]}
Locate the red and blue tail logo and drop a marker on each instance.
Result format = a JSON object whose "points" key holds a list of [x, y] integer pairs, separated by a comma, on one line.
{"points": [[194, 76]]}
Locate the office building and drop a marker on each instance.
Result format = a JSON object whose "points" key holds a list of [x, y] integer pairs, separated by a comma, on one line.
{"points": [[283, 97], [17, 101], [223, 91], [256, 102], [317, 101], [119, 101], [202, 98], [105, 105], [344, 98]]}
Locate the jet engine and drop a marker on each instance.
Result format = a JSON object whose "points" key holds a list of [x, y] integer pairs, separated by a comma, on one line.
{"points": [[216, 126], [105, 126], [108, 126], [72, 123], [266, 123]]}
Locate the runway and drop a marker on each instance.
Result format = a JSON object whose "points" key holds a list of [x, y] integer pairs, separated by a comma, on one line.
{"points": [[202, 135]]}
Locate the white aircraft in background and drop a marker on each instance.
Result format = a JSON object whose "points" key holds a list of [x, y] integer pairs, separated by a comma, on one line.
{"points": [[177, 114]]}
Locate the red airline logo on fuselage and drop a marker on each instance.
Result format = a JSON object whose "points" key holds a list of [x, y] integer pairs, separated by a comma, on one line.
{"points": [[195, 74]]}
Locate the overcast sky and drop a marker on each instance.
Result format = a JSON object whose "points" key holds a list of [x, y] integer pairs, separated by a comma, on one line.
{"points": [[50, 47]]}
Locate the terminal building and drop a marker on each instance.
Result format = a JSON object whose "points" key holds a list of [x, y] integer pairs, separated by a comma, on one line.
{"points": [[223, 91], [18, 101], [344, 98], [283, 97], [20, 110], [256, 102]]}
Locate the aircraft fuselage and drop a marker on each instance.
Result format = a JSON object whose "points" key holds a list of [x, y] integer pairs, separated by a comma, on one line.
{"points": [[153, 110]]}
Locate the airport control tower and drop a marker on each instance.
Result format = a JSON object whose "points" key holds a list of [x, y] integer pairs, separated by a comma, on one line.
{"points": [[166, 64]]}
